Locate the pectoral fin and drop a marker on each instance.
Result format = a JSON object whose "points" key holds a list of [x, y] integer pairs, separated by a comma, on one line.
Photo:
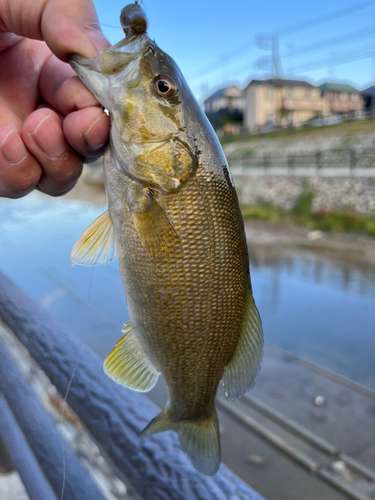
{"points": [[157, 233], [96, 246], [128, 364], [240, 373]]}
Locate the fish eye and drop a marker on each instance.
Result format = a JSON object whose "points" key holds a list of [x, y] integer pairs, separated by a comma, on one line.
{"points": [[165, 87]]}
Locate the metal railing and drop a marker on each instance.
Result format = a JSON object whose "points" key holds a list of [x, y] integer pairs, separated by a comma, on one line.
{"points": [[347, 158], [156, 467]]}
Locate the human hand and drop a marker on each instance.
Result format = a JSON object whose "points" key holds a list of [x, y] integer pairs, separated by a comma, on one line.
{"points": [[49, 121]]}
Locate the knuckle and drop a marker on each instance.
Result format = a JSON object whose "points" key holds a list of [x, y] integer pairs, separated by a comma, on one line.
{"points": [[20, 184]]}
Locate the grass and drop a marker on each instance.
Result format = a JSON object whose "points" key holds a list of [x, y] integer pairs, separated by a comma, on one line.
{"points": [[350, 127], [346, 220]]}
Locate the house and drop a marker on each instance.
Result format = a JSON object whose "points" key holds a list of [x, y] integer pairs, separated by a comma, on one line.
{"points": [[368, 97], [279, 102], [225, 109], [341, 99]]}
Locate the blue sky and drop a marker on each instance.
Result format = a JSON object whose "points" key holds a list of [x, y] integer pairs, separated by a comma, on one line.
{"points": [[214, 42]]}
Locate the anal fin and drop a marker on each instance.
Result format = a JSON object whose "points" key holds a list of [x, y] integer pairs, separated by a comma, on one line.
{"points": [[128, 364], [240, 373]]}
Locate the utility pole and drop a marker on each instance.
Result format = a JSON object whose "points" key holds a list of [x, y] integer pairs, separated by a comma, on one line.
{"points": [[276, 55], [271, 43], [290, 47]]}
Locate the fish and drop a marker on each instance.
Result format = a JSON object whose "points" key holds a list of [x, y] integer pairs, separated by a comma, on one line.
{"points": [[174, 223]]}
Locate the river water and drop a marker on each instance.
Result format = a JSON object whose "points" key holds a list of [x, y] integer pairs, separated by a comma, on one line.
{"points": [[320, 307]]}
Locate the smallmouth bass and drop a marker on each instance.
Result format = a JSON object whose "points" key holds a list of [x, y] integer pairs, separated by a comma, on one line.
{"points": [[174, 223]]}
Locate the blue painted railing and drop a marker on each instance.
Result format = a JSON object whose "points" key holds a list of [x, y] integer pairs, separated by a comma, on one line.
{"points": [[114, 416]]}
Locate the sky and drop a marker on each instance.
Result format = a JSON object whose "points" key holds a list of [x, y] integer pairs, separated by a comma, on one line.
{"points": [[217, 44]]}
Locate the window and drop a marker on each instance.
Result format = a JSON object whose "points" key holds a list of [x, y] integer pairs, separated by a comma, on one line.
{"points": [[355, 97], [270, 94], [343, 96], [290, 94], [308, 95]]}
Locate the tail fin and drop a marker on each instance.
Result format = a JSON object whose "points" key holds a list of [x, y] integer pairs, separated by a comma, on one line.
{"points": [[199, 439]]}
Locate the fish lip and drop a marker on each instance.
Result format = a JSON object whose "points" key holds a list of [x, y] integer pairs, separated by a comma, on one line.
{"points": [[81, 61]]}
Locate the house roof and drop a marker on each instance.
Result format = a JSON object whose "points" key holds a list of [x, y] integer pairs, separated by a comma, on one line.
{"points": [[221, 93], [281, 83], [369, 91], [337, 87]]}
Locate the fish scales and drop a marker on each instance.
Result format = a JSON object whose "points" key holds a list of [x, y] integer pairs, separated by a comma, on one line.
{"points": [[174, 222], [207, 287]]}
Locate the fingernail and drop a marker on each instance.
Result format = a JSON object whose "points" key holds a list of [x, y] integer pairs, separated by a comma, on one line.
{"points": [[50, 138], [13, 148], [89, 140]]}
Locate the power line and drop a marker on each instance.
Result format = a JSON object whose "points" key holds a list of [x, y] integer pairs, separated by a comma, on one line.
{"points": [[224, 59], [248, 47], [342, 39], [325, 19], [362, 54]]}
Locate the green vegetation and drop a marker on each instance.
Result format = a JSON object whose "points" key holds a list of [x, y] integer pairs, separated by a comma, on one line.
{"points": [[350, 127], [346, 220], [303, 204]]}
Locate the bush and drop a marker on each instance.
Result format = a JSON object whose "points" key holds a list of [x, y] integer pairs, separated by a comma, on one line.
{"points": [[338, 221], [303, 203], [264, 211]]}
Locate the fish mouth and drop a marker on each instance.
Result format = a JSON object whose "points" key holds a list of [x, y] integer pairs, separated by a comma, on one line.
{"points": [[114, 59], [117, 66]]}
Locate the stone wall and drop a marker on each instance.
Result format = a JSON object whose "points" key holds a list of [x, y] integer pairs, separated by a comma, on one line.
{"points": [[332, 193]]}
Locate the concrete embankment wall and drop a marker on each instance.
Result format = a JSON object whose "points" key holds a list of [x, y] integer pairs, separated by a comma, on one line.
{"points": [[333, 189]]}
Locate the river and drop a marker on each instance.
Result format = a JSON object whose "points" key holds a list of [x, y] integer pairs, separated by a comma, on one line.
{"points": [[318, 306]]}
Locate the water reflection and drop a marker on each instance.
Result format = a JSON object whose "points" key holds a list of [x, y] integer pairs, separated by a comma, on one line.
{"points": [[318, 306], [316, 266]]}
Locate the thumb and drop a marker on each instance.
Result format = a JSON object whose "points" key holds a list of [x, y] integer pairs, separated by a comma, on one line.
{"points": [[65, 26], [62, 24]]}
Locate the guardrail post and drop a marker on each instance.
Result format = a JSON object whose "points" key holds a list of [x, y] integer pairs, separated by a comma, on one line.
{"points": [[291, 164], [266, 162], [352, 160], [318, 160]]}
